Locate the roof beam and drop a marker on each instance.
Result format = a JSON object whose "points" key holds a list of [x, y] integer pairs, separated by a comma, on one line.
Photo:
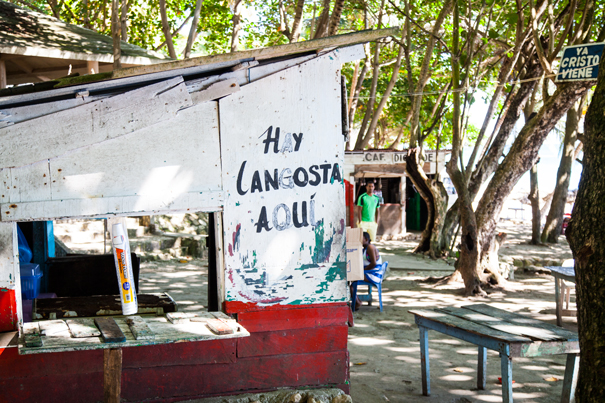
{"points": [[26, 68], [264, 53]]}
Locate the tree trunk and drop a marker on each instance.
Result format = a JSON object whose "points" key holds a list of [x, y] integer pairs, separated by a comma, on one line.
{"points": [[534, 198], [383, 100], [296, 24], [488, 165], [586, 236], [166, 29], [124, 20], [115, 33], [440, 199], [324, 18], [522, 156], [413, 168], [554, 220], [193, 29], [335, 18]]}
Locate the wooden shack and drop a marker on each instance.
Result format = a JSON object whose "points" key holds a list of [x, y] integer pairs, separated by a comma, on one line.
{"points": [[36, 47], [401, 207], [255, 138]]}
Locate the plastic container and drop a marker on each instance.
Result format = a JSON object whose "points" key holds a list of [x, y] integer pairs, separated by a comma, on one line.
{"points": [[121, 254], [31, 274]]}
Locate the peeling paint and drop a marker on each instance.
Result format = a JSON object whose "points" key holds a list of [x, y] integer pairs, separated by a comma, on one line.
{"points": [[321, 252]]}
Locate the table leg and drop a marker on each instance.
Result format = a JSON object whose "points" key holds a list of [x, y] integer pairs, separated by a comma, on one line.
{"points": [[571, 378], [424, 361], [481, 368], [112, 375], [506, 363], [558, 301]]}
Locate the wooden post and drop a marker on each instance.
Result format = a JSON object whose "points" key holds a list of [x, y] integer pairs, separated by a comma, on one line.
{"points": [[112, 375], [424, 361], [572, 369], [2, 74], [92, 67], [506, 364], [481, 368]]}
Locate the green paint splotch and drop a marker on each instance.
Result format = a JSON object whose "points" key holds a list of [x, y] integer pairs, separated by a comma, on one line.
{"points": [[321, 251], [337, 271]]}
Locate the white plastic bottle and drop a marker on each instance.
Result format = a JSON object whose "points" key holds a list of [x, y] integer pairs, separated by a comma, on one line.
{"points": [[121, 254]]}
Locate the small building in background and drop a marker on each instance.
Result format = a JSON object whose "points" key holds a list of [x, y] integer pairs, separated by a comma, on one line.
{"points": [[402, 207], [36, 47]]}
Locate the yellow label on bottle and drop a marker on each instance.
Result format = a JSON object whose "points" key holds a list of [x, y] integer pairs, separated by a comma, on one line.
{"points": [[125, 282]]}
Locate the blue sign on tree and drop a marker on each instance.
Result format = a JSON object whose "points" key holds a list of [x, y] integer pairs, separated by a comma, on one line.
{"points": [[580, 62]]}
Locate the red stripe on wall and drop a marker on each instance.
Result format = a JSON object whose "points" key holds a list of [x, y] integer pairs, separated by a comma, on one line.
{"points": [[310, 340], [265, 321]]}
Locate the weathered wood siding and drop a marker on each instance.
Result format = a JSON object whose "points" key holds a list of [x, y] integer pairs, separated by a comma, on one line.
{"points": [[170, 165], [284, 214]]}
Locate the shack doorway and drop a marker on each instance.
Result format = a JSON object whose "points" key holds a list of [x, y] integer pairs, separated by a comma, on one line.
{"points": [[416, 210], [389, 189]]}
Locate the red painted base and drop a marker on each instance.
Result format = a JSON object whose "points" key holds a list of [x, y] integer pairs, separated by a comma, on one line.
{"points": [[8, 310], [289, 346]]}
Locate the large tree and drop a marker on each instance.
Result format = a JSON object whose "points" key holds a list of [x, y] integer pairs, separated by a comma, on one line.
{"points": [[586, 236]]}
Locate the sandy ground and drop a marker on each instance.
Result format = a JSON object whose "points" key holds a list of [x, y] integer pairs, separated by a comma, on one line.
{"points": [[384, 347]]}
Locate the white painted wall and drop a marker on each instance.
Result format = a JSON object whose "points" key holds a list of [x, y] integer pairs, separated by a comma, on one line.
{"points": [[280, 263]]}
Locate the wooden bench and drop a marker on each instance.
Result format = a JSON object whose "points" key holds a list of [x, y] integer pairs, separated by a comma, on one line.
{"points": [[562, 290], [511, 334]]}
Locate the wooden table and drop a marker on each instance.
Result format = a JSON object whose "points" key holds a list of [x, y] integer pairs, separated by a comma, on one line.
{"points": [[511, 334], [562, 274], [159, 330]]}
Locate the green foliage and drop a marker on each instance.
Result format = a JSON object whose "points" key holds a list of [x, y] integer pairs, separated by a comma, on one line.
{"points": [[264, 25]]}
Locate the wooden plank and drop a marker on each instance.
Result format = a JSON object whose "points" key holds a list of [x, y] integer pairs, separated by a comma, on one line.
{"points": [[523, 320], [245, 375], [112, 375], [219, 326], [16, 366], [295, 341], [110, 331], [139, 328], [264, 53], [30, 183], [160, 171], [9, 264], [221, 315], [217, 351], [569, 273], [31, 335], [57, 386], [111, 206], [99, 305], [215, 91], [165, 332], [304, 317], [6, 185], [544, 348], [53, 328], [496, 323], [81, 328], [179, 317], [468, 326], [53, 135], [27, 112]]}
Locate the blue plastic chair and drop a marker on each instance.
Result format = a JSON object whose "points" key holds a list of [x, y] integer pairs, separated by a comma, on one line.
{"points": [[374, 277]]}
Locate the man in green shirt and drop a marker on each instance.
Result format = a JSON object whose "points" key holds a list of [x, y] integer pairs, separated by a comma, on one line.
{"points": [[368, 211]]}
